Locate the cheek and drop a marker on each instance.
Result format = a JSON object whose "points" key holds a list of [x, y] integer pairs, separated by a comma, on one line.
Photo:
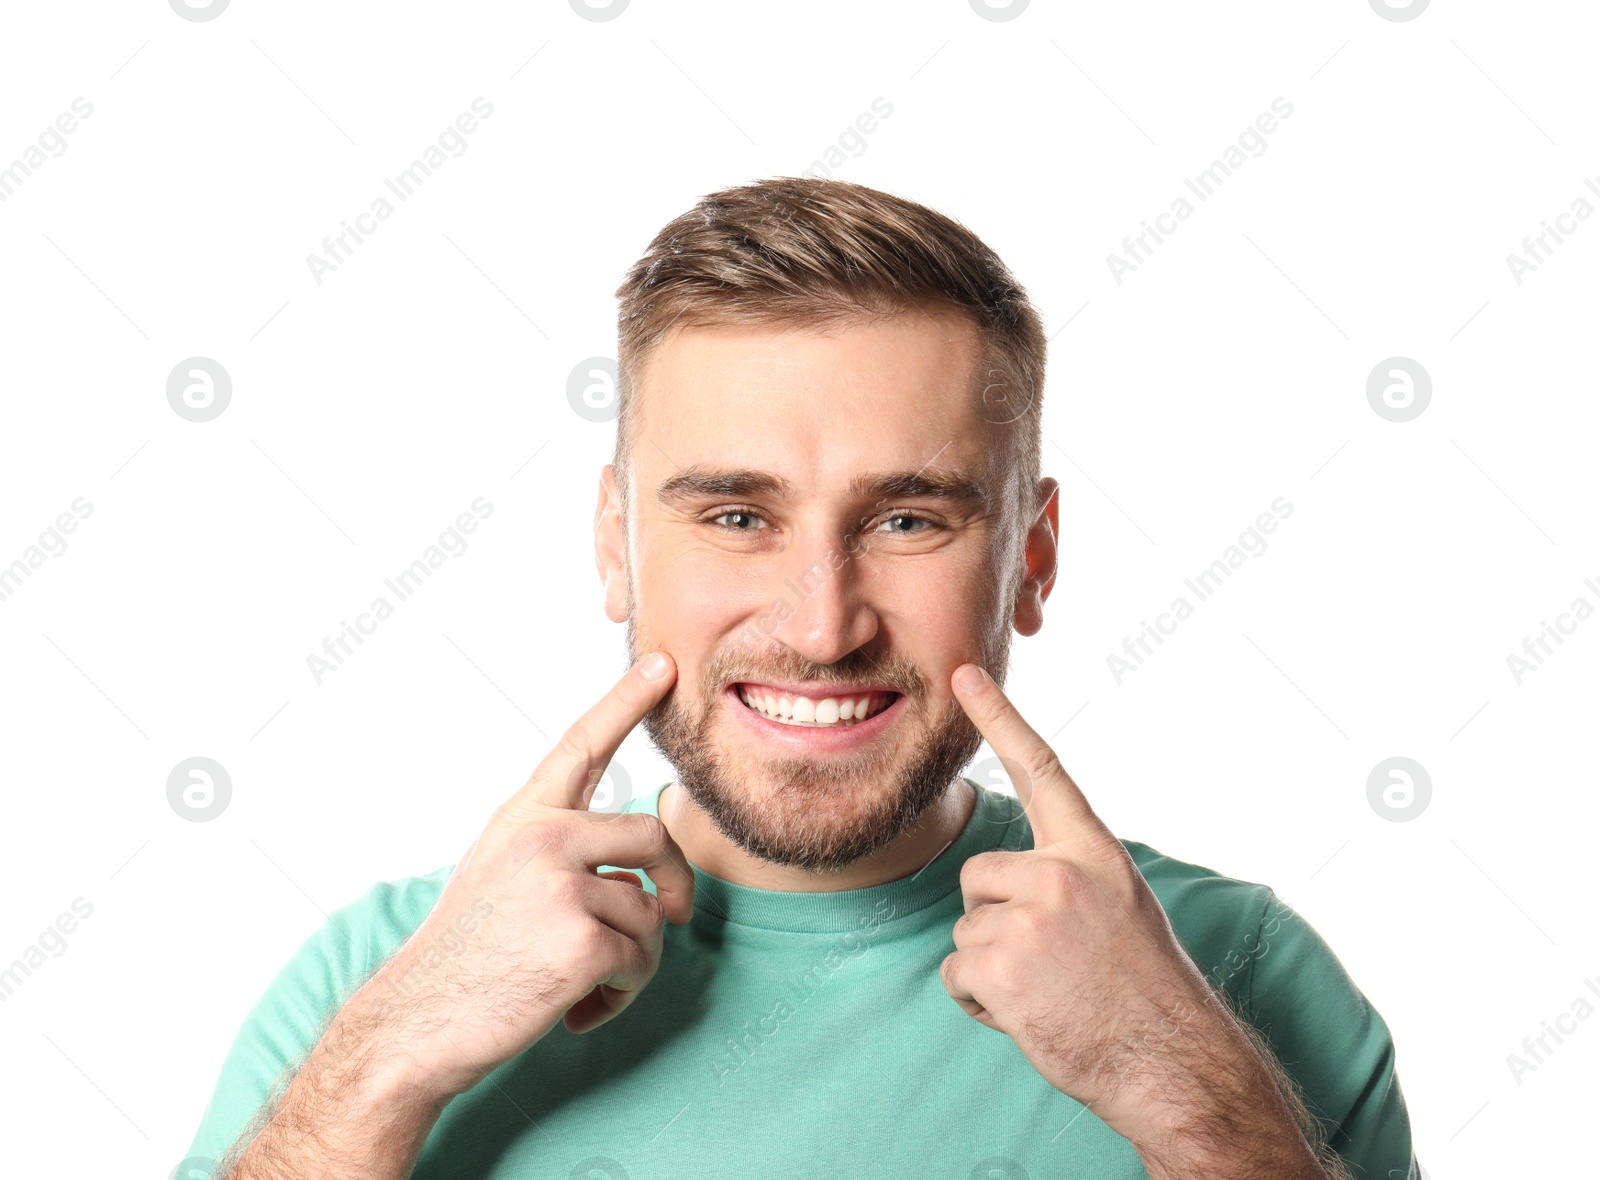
{"points": [[940, 611]]}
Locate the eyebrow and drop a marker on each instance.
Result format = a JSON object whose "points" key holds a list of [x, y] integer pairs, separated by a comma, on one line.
{"points": [[934, 483]]}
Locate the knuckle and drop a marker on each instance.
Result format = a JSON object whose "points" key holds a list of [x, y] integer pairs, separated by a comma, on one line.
{"points": [[590, 945], [529, 841], [1031, 921], [567, 894], [655, 913], [974, 866], [640, 962], [1062, 878], [1043, 765], [575, 745], [1005, 974], [651, 833]]}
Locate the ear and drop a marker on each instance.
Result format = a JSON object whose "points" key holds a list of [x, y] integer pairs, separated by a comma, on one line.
{"points": [[1039, 558], [610, 540]]}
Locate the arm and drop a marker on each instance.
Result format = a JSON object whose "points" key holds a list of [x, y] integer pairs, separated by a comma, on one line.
{"points": [[345, 1114], [1241, 1116], [526, 934], [1064, 948]]}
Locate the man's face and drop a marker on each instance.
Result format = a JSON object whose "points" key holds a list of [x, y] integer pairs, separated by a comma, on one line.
{"points": [[765, 555]]}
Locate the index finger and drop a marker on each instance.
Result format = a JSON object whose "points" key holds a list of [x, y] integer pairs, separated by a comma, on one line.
{"points": [[569, 773], [1058, 811]]}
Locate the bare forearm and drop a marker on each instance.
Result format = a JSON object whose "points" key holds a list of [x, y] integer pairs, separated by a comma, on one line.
{"points": [[1236, 1114], [1253, 1136], [349, 1112]]}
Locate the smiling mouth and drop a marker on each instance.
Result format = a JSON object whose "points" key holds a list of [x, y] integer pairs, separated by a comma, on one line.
{"points": [[840, 712]]}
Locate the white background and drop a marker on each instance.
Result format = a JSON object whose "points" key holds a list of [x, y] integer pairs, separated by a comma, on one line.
{"points": [[372, 408]]}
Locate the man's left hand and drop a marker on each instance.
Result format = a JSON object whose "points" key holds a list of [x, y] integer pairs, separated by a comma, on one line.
{"points": [[1066, 950]]}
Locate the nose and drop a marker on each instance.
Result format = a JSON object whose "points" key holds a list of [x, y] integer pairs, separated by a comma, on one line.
{"points": [[829, 616]]}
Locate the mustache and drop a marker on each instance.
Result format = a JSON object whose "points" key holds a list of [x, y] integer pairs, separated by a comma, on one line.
{"points": [[896, 673]]}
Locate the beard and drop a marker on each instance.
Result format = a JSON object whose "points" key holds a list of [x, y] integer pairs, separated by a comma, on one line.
{"points": [[819, 814]]}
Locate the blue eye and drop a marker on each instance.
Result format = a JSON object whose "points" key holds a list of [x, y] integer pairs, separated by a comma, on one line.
{"points": [[908, 532], [734, 528]]}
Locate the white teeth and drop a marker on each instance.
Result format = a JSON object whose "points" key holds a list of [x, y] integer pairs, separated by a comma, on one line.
{"points": [[829, 711]]}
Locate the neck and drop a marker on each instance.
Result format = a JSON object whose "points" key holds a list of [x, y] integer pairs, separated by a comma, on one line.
{"points": [[906, 854]]}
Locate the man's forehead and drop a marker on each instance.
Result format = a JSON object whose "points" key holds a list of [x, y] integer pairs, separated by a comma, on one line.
{"points": [[768, 409]]}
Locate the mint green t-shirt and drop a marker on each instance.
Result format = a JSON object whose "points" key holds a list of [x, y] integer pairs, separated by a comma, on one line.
{"points": [[792, 1034]]}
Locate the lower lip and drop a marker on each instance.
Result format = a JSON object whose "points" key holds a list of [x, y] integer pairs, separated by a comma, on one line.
{"points": [[813, 739]]}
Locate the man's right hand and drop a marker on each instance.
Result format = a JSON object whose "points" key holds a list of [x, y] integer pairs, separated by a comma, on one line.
{"points": [[527, 931]]}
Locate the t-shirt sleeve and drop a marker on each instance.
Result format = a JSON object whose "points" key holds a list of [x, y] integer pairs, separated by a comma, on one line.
{"points": [[1332, 1041], [292, 1013]]}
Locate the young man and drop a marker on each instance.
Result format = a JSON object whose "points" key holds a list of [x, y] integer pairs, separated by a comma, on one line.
{"points": [[824, 519]]}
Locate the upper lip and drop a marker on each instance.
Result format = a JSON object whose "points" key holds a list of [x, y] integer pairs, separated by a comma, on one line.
{"points": [[818, 691]]}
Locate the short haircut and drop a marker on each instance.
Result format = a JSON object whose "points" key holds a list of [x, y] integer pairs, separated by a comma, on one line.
{"points": [[815, 252]]}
